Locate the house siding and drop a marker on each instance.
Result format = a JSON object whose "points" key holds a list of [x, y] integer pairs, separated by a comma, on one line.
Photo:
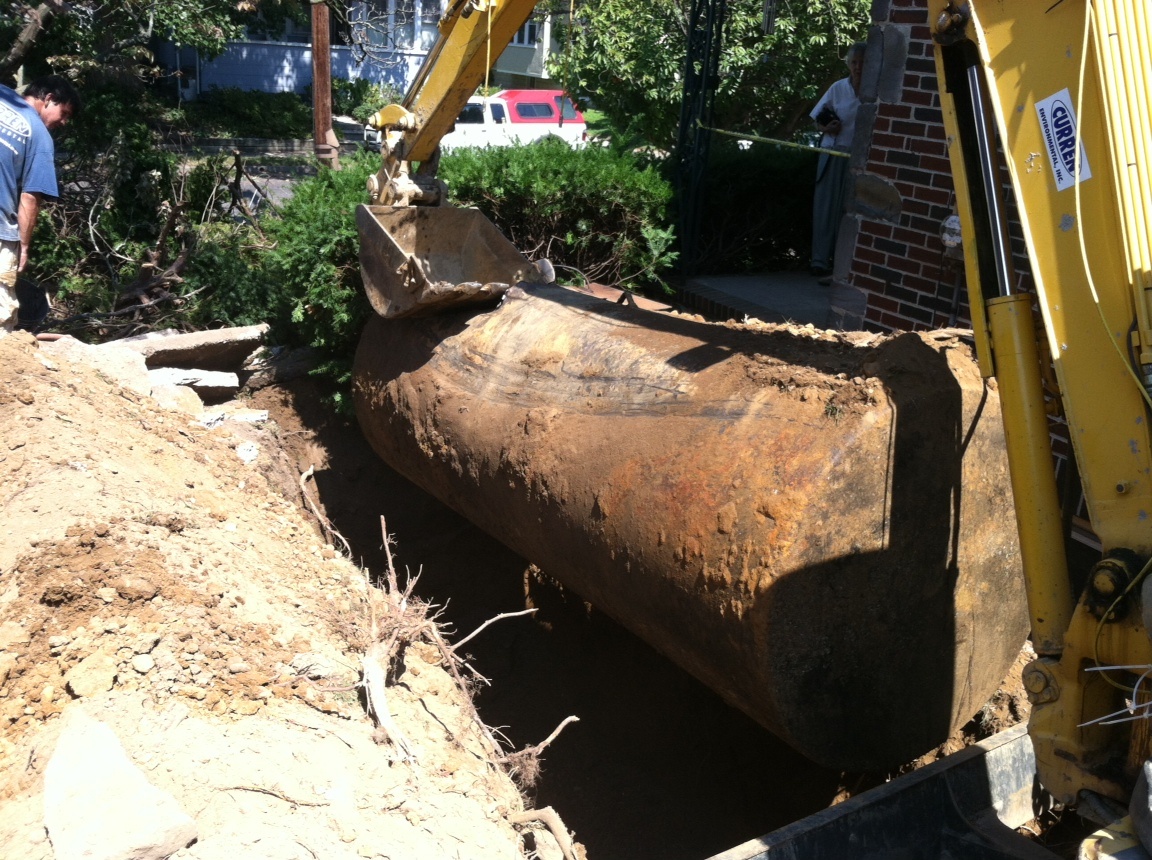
{"points": [[275, 67], [286, 66]]}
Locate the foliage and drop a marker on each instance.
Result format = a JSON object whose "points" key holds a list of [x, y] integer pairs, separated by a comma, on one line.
{"points": [[312, 271], [105, 39], [271, 16], [232, 112], [628, 58], [296, 269], [361, 98], [757, 209], [593, 211], [114, 182]]}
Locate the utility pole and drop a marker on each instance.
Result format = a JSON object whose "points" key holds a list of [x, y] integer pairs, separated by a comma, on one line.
{"points": [[325, 144]]}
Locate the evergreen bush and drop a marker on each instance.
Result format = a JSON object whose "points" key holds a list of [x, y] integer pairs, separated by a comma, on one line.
{"points": [[599, 215], [232, 112]]}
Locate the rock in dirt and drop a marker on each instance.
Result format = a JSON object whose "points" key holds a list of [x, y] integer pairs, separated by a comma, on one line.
{"points": [[212, 385], [94, 674], [99, 806], [178, 397], [218, 349], [12, 635]]}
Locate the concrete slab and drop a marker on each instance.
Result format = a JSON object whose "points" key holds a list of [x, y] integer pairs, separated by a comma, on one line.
{"points": [[210, 385], [215, 349], [793, 296]]}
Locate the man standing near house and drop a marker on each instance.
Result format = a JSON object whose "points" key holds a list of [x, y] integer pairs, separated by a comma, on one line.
{"points": [[27, 174], [835, 117]]}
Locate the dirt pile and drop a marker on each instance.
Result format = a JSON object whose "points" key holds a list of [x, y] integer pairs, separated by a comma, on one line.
{"points": [[152, 575]]}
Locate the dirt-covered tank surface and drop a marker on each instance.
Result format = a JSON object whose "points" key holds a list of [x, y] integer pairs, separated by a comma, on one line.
{"points": [[782, 513], [155, 584]]}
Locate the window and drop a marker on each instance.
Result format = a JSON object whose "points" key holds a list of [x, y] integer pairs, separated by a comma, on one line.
{"points": [[535, 110], [529, 34], [404, 22], [471, 115], [498, 113], [568, 110]]}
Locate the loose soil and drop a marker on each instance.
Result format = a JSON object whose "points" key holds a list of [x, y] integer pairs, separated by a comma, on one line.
{"points": [[155, 578]]}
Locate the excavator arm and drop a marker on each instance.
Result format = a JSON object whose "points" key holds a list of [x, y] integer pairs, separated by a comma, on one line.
{"points": [[1063, 91], [473, 34], [417, 254]]}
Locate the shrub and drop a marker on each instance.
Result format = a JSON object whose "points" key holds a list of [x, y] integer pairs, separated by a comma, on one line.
{"points": [[298, 270], [597, 214], [232, 112], [361, 98]]}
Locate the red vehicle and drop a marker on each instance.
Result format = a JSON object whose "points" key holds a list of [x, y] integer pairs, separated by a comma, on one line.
{"points": [[545, 107]]}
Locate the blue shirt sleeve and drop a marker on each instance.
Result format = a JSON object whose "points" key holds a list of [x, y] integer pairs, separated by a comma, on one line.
{"points": [[40, 164]]}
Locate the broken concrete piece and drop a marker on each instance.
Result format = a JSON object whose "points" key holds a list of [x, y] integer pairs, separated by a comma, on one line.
{"points": [[217, 349], [248, 452], [210, 385], [123, 366], [99, 806], [233, 412], [178, 397]]}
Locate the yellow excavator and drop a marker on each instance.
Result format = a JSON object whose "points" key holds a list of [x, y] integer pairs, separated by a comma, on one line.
{"points": [[1063, 90], [670, 473]]}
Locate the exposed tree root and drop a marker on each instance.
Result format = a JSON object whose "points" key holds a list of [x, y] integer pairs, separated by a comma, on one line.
{"points": [[548, 817]]}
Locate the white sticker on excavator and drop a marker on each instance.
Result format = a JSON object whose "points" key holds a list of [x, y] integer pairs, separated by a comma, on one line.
{"points": [[1058, 122]]}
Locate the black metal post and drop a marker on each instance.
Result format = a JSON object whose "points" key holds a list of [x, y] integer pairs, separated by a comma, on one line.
{"points": [[701, 78]]}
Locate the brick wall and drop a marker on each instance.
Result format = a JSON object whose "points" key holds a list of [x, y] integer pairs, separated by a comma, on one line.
{"points": [[893, 270]]}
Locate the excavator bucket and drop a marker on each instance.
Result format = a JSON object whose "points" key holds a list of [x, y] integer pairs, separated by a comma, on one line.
{"points": [[420, 260]]}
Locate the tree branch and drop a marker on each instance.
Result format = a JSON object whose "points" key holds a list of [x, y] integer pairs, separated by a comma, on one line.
{"points": [[37, 20]]}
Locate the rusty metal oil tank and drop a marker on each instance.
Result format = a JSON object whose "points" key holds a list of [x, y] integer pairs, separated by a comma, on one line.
{"points": [[817, 526]]}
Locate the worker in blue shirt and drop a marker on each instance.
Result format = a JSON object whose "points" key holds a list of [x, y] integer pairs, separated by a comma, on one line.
{"points": [[27, 174]]}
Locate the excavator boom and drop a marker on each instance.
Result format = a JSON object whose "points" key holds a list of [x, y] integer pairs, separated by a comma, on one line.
{"points": [[1064, 88]]}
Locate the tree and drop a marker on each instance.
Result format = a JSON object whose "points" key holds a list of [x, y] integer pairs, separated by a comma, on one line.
{"points": [[78, 37], [628, 58]]}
